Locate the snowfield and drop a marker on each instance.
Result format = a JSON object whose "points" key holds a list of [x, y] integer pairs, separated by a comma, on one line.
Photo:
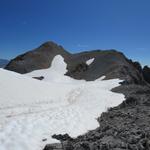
{"points": [[32, 110]]}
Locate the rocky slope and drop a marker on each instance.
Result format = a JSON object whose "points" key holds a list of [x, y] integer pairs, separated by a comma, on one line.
{"points": [[39, 58], [123, 127]]}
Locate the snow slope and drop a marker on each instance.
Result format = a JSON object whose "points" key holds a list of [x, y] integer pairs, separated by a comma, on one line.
{"points": [[33, 110]]}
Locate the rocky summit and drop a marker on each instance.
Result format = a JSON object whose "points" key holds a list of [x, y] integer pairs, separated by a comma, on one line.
{"points": [[125, 127]]}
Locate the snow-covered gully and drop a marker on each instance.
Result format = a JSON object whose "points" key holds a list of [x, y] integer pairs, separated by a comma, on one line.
{"points": [[32, 110]]}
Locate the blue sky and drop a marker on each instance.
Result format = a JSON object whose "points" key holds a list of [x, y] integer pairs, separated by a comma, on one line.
{"points": [[76, 25]]}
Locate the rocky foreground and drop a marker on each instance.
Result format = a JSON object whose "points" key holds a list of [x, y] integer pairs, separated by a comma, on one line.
{"points": [[125, 127]]}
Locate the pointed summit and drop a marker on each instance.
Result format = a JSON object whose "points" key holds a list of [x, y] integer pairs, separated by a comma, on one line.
{"points": [[39, 58]]}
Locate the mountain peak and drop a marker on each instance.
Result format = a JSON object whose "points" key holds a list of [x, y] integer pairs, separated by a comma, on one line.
{"points": [[110, 63], [50, 44]]}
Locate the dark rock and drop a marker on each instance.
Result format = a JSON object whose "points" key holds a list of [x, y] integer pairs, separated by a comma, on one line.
{"points": [[146, 73], [49, 147], [44, 140], [61, 137], [55, 146], [39, 78]]}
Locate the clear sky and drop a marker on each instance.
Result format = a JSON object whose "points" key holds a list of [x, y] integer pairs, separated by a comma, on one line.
{"points": [[76, 25]]}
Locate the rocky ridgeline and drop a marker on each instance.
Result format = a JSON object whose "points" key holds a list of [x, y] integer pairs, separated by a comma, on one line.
{"points": [[125, 127]]}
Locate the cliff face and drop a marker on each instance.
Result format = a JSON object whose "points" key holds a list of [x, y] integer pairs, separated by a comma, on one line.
{"points": [[110, 63]]}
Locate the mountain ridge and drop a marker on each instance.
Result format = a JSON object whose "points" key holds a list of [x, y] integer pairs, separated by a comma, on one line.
{"points": [[111, 63]]}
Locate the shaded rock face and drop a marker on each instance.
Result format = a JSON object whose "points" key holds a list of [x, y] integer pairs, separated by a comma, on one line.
{"points": [[3, 63], [146, 73], [110, 63]]}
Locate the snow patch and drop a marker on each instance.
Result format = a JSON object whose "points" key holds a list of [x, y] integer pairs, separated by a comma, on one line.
{"points": [[53, 74], [90, 61], [32, 110]]}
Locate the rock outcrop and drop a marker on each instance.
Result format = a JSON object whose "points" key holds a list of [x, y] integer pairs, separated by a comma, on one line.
{"points": [[146, 73]]}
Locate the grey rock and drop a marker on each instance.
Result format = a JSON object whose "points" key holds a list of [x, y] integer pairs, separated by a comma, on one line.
{"points": [[146, 73]]}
